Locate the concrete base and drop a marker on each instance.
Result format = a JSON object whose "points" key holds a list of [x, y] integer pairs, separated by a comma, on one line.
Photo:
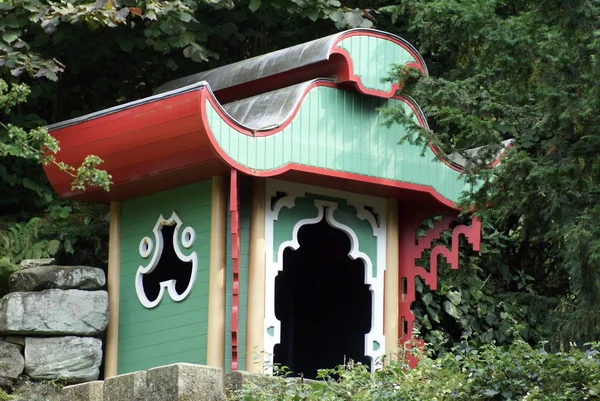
{"points": [[185, 382], [91, 391], [130, 387], [178, 382]]}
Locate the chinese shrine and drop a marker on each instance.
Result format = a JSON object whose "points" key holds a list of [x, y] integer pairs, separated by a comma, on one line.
{"points": [[262, 212]]}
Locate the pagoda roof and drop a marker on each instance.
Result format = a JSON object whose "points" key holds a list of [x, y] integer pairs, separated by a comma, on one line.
{"points": [[309, 113]]}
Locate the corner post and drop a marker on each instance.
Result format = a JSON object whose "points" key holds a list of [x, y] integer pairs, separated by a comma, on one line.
{"points": [[392, 281], [113, 283], [215, 354], [256, 280]]}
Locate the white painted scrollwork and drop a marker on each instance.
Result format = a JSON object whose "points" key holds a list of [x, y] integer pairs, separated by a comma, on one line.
{"points": [[147, 246], [374, 340]]}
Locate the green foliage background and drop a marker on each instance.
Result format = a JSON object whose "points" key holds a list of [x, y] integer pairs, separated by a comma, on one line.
{"points": [[499, 69], [488, 372]]}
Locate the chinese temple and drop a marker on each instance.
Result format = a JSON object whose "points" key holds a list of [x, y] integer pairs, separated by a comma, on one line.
{"points": [[262, 212]]}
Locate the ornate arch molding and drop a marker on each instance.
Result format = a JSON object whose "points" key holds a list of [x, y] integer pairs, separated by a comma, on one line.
{"points": [[147, 246], [331, 205]]}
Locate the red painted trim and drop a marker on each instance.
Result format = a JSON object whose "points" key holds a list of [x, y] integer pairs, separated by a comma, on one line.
{"points": [[326, 68], [245, 131], [339, 63], [501, 156], [413, 52], [411, 250], [298, 167], [349, 75], [173, 133], [235, 257]]}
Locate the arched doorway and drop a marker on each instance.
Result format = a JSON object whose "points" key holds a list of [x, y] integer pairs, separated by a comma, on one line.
{"points": [[322, 302]]}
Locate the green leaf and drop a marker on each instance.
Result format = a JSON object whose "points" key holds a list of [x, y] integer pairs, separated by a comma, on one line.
{"points": [[454, 297], [427, 299], [313, 14], [10, 36], [254, 5], [451, 309], [127, 44], [185, 17]]}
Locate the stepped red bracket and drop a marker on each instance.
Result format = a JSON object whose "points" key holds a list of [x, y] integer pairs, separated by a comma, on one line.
{"points": [[411, 251], [235, 257]]}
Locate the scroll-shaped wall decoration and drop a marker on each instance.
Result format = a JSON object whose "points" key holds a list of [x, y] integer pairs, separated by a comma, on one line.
{"points": [[169, 268]]}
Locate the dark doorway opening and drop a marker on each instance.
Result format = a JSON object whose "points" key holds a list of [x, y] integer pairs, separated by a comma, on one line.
{"points": [[169, 267], [322, 303]]}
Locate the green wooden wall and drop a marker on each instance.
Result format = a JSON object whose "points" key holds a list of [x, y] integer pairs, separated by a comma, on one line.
{"points": [[372, 59], [172, 331], [341, 131]]}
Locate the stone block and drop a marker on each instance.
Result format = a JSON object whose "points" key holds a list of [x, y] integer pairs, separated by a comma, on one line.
{"points": [[91, 391], [235, 381], [185, 382], [76, 359], [11, 360], [29, 263], [41, 278], [54, 312], [129, 387], [18, 340]]}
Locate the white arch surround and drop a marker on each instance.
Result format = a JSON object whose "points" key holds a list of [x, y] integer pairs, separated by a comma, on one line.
{"points": [[374, 340], [147, 246]]}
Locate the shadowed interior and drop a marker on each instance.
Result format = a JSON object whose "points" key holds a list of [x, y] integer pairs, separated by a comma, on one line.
{"points": [[322, 303], [169, 267]]}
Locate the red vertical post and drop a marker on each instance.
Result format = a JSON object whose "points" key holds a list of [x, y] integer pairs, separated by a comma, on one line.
{"points": [[235, 257]]}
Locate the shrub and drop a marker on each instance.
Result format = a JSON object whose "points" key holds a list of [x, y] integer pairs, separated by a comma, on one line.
{"points": [[515, 372]]}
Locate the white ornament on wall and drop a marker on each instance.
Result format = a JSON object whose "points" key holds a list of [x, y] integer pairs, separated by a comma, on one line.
{"points": [[147, 246], [374, 340]]}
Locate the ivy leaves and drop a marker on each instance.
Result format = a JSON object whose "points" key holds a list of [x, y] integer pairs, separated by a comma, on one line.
{"points": [[37, 145]]}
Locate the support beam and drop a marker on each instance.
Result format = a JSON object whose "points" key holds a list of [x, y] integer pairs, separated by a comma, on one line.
{"points": [[215, 355], [113, 283], [391, 280], [256, 280]]}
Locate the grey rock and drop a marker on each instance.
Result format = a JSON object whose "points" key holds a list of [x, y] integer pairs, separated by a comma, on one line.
{"points": [[76, 359], [54, 312], [92, 391], [57, 277], [185, 382], [130, 387], [6, 384], [28, 263], [19, 340], [11, 360]]}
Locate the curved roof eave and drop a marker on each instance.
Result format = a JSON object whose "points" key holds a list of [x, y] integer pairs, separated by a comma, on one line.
{"points": [[169, 139], [314, 59]]}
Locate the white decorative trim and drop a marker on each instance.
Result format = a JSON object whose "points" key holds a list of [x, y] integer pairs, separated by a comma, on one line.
{"points": [[327, 208], [146, 247]]}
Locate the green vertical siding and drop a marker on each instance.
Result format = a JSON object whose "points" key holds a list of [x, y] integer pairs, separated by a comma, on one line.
{"points": [[372, 59], [172, 331], [341, 131], [245, 205], [304, 208]]}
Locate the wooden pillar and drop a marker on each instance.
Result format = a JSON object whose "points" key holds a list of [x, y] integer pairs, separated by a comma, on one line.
{"points": [[215, 355], [391, 280], [256, 280], [113, 280]]}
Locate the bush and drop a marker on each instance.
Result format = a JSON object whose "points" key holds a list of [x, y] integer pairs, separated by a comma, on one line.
{"points": [[515, 372]]}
